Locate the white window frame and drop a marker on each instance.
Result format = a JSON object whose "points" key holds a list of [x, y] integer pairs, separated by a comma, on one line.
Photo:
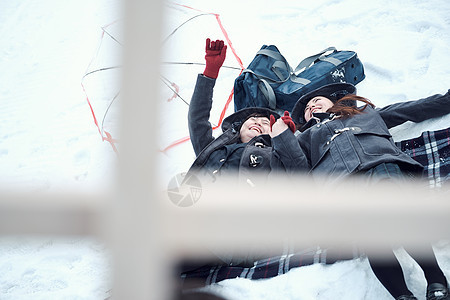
{"points": [[147, 232]]}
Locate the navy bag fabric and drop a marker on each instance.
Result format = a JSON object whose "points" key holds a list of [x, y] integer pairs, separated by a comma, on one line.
{"points": [[270, 82]]}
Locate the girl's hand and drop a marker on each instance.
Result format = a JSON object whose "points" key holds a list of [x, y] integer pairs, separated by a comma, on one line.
{"points": [[281, 124], [288, 121], [278, 127], [215, 56]]}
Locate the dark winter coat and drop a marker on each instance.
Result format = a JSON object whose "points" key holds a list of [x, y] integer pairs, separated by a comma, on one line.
{"points": [[226, 155], [338, 147]]}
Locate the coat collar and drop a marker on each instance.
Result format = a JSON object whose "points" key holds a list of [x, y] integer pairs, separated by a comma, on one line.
{"points": [[318, 118], [263, 138]]}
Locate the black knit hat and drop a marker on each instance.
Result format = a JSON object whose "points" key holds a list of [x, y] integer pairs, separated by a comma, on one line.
{"points": [[333, 91], [242, 115]]}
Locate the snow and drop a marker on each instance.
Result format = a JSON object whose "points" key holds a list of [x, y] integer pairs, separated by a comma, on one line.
{"points": [[34, 268], [49, 142]]}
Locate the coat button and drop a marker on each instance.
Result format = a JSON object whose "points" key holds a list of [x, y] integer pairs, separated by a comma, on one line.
{"points": [[255, 160], [215, 171], [222, 160]]}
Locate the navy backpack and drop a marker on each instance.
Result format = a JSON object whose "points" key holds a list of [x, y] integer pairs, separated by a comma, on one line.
{"points": [[270, 82]]}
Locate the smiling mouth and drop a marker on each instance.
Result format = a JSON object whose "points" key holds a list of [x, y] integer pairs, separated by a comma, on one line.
{"points": [[256, 128]]}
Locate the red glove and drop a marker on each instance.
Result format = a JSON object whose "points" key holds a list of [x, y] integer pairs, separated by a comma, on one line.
{"points": [[215, 56], [272, 121], [288, 121]]}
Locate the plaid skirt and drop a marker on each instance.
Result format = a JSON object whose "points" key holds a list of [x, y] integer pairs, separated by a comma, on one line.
{"points": [[432, 150], [268, 267]]}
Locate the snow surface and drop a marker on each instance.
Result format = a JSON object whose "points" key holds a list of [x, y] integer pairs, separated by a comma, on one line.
{"points": [[48, 140]]}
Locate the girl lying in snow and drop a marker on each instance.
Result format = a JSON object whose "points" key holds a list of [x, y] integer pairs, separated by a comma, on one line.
{"points": [[338, 140], [247, 146]]}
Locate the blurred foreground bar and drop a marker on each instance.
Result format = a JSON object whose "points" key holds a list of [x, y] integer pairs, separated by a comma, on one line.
{"points": [[52, 214], [225, 213], [306, 212]]}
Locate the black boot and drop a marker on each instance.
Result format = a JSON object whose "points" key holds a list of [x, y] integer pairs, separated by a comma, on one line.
{"points": [[406, 297], [437, 291]]}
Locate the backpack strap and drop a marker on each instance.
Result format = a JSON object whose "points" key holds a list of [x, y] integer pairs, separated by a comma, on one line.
{"points": [[268, 79], [268, 92], [274, 54], [331, 60], [300, 80], [307, 62], [265, 88], [279, 64]]}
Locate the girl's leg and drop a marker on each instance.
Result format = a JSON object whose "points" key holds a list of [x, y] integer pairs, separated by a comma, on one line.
{"points": [[427, 261], [387, 269], [389, 273]]}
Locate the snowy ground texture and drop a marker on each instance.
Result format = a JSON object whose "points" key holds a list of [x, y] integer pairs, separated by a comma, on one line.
{"points": [[48, 140]]}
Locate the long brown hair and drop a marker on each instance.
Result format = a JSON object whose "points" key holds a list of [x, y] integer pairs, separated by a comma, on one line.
{"points": [[343, 109]]}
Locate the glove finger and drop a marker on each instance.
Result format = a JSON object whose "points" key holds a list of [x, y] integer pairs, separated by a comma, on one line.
{"points": [[286, 113], [208, 42], [272, 121], [286, 119], [291, 126], [221, 43], [217, 45], [223, 52]]}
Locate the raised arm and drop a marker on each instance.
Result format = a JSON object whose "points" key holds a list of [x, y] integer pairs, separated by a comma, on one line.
{"points": [[416, 111], [200, 129]]}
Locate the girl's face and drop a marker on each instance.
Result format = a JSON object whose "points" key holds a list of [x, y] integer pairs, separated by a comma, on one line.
{"points": [[317, 104], [254, 126]]}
